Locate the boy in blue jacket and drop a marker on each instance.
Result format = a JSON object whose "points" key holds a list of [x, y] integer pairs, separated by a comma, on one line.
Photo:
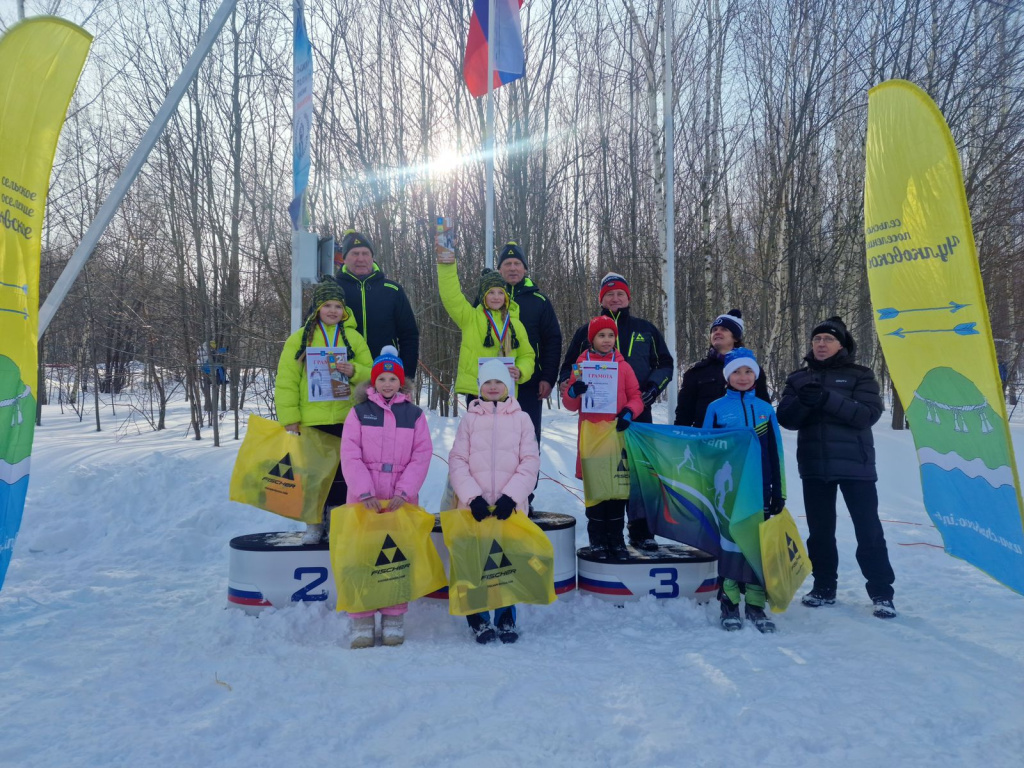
{"points": [[741, 408]]}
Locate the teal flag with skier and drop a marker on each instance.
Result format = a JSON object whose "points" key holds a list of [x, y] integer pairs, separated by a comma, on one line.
{"points": [[701, 487]]}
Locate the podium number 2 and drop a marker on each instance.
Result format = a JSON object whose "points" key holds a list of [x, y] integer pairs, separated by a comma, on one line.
{"points": [[303, 595], [669, 578]]}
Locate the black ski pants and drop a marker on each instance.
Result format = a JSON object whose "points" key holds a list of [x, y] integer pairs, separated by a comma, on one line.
{"points": [[861, 497]]}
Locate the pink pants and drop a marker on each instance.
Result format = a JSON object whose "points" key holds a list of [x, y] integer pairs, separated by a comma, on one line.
{"points": [[394, 610]]}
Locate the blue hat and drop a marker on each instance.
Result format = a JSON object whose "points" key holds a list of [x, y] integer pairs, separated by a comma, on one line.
{"points": [[737, 359]]}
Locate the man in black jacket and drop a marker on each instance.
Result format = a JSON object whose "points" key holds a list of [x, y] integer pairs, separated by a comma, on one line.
{"points": [[538, 317], [645, 350], [833, 403], [704, 383], [381, 308]]}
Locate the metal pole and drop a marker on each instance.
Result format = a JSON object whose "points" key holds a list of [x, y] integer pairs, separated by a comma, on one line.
{"points": [[669, 276], [489, 143], [131, 170]]}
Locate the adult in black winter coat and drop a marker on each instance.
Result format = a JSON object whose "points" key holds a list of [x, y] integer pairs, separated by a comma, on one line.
{"points": [[645, 350], [833, 403], [381, 308], [703, 383], [639, 341], [538, 317]]}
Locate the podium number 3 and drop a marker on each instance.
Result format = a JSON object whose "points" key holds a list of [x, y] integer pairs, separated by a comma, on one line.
{"points": [[669, 578], [303, 595]]}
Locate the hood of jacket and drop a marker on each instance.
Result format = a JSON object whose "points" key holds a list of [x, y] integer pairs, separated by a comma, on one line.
{"points": [[485, 407]]}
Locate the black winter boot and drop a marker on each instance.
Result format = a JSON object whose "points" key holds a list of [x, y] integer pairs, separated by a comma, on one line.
{"points": [[598, 540], [640, 536], [616, 541]]}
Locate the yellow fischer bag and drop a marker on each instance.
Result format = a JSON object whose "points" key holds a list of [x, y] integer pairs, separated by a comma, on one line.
{"points": [[384, 559], [784, 559], [289, 475], [496, 563], [603, 460]]}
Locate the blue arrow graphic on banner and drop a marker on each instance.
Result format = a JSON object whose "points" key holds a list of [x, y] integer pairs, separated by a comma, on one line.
{"points": [[964, 329], [889, 312], [22, 288]]}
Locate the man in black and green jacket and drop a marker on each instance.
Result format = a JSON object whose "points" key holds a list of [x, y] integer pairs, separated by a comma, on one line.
{"points": [[381, 308]]}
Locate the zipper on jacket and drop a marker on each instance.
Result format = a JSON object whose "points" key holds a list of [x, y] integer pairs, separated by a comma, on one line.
{"points": [[494, 452], [362, 294]]}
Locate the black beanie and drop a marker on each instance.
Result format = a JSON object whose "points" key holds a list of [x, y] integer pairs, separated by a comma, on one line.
{"points": [[512, 250], [836, 327], [352, 239], [732, 321]]}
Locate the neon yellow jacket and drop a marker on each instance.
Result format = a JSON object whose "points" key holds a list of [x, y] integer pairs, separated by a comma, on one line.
{"points": [[291, 390], [472, 321]]}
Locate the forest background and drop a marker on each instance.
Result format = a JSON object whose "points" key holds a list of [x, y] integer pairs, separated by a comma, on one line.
{"points": [[770, 111]]}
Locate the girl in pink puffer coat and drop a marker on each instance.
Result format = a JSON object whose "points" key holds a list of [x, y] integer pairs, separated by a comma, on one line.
{"points": [[493, 468], [385, 452]]}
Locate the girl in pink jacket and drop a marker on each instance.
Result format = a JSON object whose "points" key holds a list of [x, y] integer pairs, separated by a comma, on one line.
{"points": [[493, 468], [385, 451]]}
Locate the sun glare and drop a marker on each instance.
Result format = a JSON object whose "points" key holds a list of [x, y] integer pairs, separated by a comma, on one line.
{"points": [[446, 161]]}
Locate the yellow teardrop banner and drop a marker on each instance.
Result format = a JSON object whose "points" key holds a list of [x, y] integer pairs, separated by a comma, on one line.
{"points": [[933, 324], [40, 62]]}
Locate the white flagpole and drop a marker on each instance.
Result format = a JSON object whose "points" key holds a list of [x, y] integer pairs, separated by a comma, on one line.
{"points": [[489, 142], [669, 276], [132, 167]]}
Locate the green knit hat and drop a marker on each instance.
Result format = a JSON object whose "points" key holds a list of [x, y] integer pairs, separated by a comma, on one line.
{"points": [[490, 278], [326, 290]]}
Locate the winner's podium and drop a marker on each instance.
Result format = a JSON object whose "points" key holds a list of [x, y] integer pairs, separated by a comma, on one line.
{"points": [[277, 569], [675, 570]]}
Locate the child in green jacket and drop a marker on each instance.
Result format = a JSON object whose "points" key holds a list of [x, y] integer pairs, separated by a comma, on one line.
{"points": [[490, 329], [330, 324]]}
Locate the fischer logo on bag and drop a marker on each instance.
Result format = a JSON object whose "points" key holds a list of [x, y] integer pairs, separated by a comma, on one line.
{"points": [[498, 565], [283, 468], [390, 555]]}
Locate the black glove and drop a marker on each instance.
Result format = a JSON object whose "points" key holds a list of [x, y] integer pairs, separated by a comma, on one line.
{"points": [[623, 419], [811, 394], [650, 393], [479, 508], [504, 507], [578, 388], [775, 506]]}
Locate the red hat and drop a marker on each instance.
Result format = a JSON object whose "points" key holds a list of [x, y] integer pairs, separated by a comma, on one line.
{"points": [[613, 282], [388, 362], [601, 323]]}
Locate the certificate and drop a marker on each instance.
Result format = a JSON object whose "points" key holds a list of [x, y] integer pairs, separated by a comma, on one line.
{"points": [[602, 380], [326, 382]]}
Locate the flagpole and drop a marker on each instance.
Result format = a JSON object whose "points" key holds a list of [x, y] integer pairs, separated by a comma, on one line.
{"points": [[489, 142], [132, 167], [669, 278]]}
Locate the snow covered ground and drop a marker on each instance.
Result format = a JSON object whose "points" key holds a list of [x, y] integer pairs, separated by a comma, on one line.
{"points": [[118, 649]]}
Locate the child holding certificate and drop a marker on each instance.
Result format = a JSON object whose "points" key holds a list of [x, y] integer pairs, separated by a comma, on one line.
{"points": [[329, 341], [620, 402]]}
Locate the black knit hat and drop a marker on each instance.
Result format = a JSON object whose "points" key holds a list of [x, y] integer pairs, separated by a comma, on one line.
{"points": [[512, 250], [732, 321], [836, 327], [352, 239]]}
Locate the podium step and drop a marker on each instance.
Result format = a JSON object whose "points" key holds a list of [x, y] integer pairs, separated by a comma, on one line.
{"points": [[674, 571]]}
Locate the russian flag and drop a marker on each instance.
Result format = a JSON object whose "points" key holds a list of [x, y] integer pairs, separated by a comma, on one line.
{"points": [[509, 61]]}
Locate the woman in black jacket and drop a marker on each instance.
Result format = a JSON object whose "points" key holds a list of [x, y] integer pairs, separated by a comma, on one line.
{"points": [[833, 403]]}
